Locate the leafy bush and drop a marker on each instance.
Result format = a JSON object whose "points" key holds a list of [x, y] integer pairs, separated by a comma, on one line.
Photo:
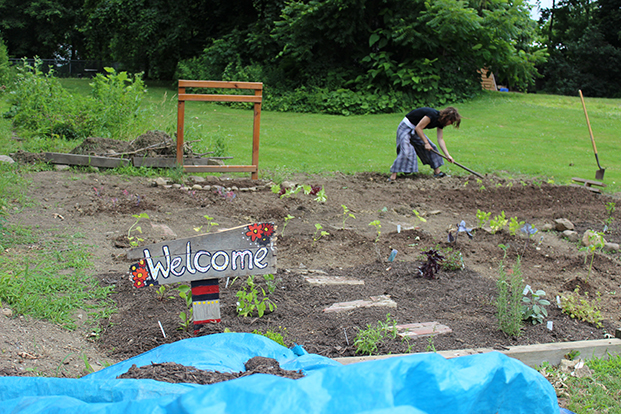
{"points": [[4, 65], [40, 105], [368, 340], [581, 307]]}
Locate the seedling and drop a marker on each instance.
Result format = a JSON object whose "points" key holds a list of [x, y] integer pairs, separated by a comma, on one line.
{"points": [[248, 300], [515, 225], [210, 224], [378, 227], [162, 293], [134, 240], [534, 308], [596, 241], [321, 195], [610, 209], [482, 217], [289, 217], [346, 215], [185, 292], [319, 233], [498, 222], [510, 286], [418, 216]]}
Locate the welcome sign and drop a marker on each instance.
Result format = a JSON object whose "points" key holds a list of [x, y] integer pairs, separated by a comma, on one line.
{"points": [[240, 251], [202, 260]]}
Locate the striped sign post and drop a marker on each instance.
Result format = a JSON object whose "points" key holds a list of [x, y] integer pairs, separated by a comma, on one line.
{"points": [[202, 260]]}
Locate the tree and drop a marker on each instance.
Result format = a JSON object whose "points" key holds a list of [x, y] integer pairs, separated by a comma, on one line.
{"points": [[582, 38], [44, 28]]}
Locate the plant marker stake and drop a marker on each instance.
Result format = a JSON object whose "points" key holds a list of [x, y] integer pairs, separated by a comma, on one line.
{"points": [[346, 340], [392, 256], [227, 283], [399, 228], [161, 328], [550, 325]]}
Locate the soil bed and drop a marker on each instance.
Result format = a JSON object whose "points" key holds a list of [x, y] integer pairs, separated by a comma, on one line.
{"points": [[101, 207]]}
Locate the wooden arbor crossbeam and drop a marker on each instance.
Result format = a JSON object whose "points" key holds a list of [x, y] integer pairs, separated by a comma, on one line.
{"points": [[257, 98]]}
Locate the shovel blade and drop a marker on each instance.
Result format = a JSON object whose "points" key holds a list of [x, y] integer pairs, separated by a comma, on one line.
{"points": [[599, 175]]}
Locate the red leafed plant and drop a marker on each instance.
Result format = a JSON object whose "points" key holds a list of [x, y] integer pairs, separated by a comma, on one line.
{"points": [[432, 265]]}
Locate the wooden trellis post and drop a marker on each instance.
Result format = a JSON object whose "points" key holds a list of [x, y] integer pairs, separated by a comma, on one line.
{"points": [[256, 99]]}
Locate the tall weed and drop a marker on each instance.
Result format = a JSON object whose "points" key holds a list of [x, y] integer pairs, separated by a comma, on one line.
{"points": [[509, 302], [43, 108]]}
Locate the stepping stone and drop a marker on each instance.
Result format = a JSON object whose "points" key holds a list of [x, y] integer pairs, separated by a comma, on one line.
{"points": [[332, 280], [380, 301], [418, 330]]}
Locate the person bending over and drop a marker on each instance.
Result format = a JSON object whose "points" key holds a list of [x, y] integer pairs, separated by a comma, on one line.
{"points": [[412, 141]]}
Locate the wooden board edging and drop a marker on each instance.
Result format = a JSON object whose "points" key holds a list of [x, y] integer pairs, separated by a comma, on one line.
{"points": [[531, 355]]}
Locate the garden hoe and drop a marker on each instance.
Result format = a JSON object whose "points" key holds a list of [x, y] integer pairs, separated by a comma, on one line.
{"points": [[599, 175], [459, 165]]}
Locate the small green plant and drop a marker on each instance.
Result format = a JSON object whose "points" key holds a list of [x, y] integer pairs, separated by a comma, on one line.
{"points": [[480, 182], [249, 301], [321, 196], [510, 286], [498, 222], [610, 209], [515, 225], [431, 345], [185, 292], [270, 281], [346, 215], [319, 233], [378, 228], [162, 293], [135, 240], [278, 337], [581, 307], [210, 224], [367, 341], [534, 307], [418, 216], [482, 218], [284, 226], [596, 241], [453, 259]]}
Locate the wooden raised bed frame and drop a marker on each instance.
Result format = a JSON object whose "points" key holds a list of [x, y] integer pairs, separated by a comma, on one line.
{"points": [[257, 98]]}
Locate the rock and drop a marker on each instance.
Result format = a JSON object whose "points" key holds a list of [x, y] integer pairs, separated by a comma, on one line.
{"points": [[611, 247], [197, 187], [160, 182], [7, 312], [563, 224], [287, 184], [546, 227], [7, 159], [571, 235], [212, 161], [61, 167], [196, 179], [590, 237]]}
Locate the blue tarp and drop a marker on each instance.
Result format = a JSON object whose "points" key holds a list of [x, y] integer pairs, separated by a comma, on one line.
{"points": [[418, 383]]}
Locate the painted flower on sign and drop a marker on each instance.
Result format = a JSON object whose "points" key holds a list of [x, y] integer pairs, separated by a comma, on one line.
{"points": [[254, 231], [139, 274], [260, 232]]}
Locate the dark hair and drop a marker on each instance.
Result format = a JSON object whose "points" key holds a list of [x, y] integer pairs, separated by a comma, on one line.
{"points": [[449, 114]]}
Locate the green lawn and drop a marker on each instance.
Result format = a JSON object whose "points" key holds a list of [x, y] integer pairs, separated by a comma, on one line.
{"points": [[509, 134]]}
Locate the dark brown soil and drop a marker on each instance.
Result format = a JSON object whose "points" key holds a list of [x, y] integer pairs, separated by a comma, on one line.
{"points": [[101, 206]]}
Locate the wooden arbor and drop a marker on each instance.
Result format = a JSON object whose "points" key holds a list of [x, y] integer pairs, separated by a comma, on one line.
{"points": [[256, 99]]}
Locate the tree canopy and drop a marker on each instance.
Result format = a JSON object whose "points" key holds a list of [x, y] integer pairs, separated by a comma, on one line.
{"points": [[413, 51]]}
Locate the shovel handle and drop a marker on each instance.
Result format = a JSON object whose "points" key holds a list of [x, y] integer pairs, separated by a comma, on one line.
{"points": [[458, 164], [588, 123]]}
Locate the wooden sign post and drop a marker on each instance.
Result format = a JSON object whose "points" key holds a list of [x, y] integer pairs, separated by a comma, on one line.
{"points": [[202, 260]]}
